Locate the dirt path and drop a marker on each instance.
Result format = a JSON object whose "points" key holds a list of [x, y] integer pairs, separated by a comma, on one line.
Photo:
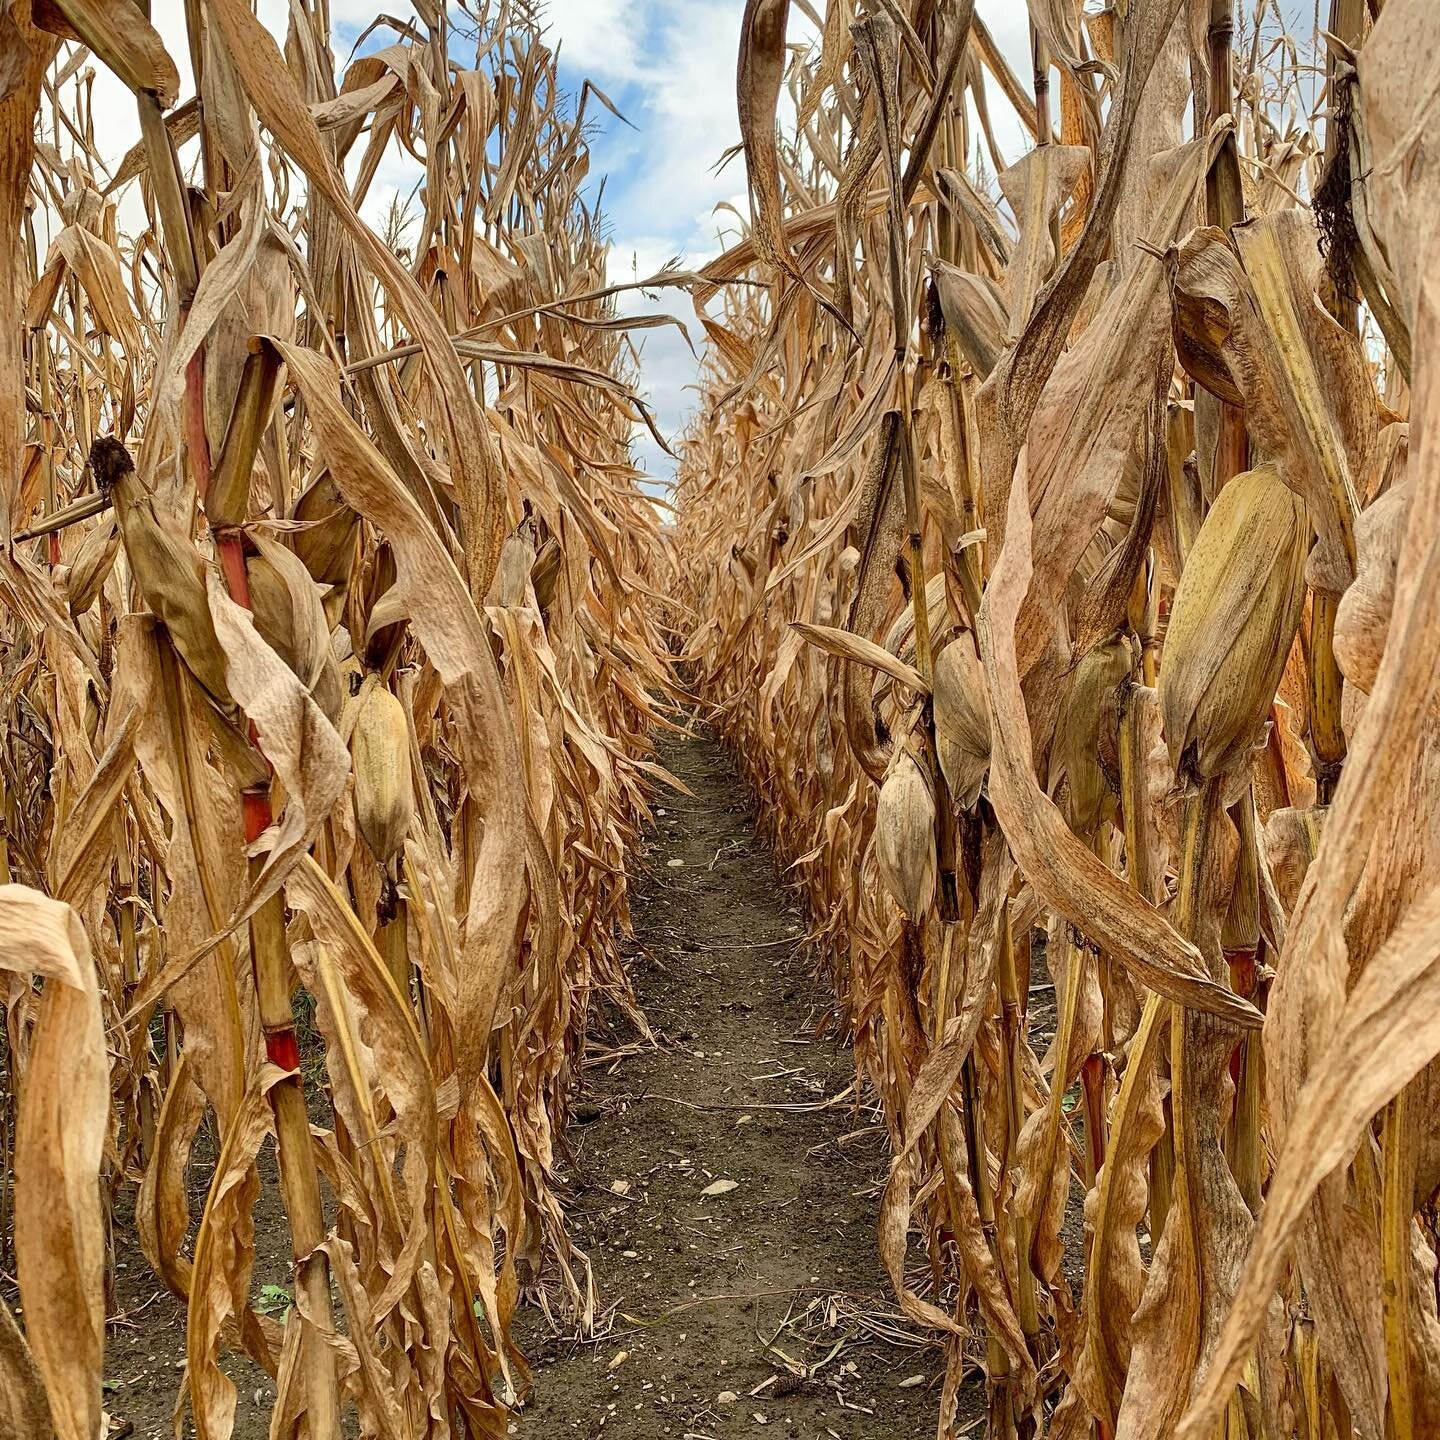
{"points": [[693, 1287], [701, 1283]]}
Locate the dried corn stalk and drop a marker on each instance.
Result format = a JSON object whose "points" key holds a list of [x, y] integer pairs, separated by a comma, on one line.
{"points": [[328, 677], [1113, 589]]}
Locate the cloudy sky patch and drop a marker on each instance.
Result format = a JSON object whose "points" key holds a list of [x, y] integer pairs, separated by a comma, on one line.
{"points": [[669, 66]]}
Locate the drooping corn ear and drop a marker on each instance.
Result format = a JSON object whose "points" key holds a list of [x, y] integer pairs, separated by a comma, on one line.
{"points": [[291, 620], [1291, 838], [1087, 735], [962, 721], [324, 538], [974, 314], [517, 557], [1232, 623], [380, 754], [905, 836], [93, 562], [1202, 270], [166, 566], [227, 500]]}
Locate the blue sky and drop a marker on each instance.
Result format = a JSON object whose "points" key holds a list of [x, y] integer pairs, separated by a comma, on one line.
{"points": [[669, 67]]}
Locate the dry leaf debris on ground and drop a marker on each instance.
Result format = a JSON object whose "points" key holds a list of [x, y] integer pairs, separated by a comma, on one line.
{"points": [[767, 1295]]}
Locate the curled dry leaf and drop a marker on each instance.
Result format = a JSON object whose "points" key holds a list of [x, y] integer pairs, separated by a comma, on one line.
{"points": [[857, 648], [60, 1136]]}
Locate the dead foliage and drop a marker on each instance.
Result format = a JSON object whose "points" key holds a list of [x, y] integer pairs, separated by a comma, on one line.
{"points": [[1067, 593], [327, 675]]}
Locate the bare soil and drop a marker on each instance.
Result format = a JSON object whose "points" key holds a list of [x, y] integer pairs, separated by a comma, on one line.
{"points": [[765, 1305], [757, 1308]]}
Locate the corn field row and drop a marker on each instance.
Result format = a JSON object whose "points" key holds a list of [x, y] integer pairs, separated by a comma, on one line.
{"points": [[328, 675], [1049, 550], [1062, 544]]}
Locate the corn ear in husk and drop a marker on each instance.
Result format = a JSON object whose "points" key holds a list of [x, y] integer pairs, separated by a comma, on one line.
{"points": [[1363, 617], [905, 835], [380, 754], [1234, 616], [962, 721], [1086, 737], [166, 566]]}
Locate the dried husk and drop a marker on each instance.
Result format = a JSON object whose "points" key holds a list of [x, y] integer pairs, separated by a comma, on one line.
{"points": [[962, 721], [168, 569], [1234, 615], [905, 835], [91, 565], [1362, 621], [384, 787], [1087, 734]]}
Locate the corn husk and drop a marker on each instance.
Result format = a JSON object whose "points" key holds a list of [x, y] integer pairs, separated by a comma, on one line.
{"points": [[94, 559], [166, 566], [1231, 624], [384, 785], [905, 836], [1363, 618], [962, 721], [291, 620], [1087, 734]]}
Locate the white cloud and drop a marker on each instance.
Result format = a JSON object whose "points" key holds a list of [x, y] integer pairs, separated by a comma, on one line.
{"points": [[600, 38], [116, 121], [662, 192], [677, 66]]}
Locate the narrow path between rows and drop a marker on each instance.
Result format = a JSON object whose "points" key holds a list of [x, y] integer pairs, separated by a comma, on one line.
{"points": [[725, 1185]]}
